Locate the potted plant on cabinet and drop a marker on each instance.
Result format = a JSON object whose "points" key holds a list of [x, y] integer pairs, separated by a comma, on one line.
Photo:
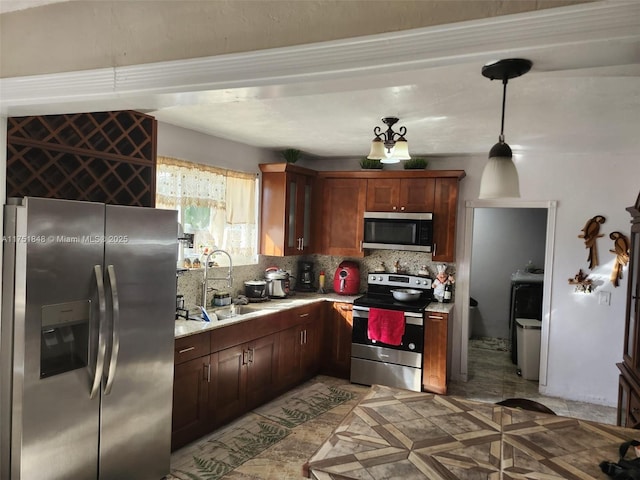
{"points": [[371, 164], [415, 164]]}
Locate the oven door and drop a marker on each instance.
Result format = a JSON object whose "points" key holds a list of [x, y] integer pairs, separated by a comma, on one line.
{"points": [[378, 363]]}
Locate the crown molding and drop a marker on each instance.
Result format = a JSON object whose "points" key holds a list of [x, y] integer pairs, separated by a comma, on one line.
{"points": [[477, 40]]}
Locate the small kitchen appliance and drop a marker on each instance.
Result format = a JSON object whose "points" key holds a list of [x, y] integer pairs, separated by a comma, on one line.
{"points": [[304, 282], [398, 364], [255, 290], [277, 282], [346, 280]]}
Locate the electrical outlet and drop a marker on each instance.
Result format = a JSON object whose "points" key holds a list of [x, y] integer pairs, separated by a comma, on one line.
{"points": [[604, 298]]}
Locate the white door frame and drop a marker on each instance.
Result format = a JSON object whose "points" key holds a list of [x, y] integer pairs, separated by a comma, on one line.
{"points": [[464, 271]]}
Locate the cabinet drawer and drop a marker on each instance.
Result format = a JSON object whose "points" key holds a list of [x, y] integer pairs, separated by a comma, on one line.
{"points": [[193, 346]]}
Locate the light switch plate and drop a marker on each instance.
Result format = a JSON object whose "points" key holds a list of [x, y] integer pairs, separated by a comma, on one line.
{"points": [[604, 298]]}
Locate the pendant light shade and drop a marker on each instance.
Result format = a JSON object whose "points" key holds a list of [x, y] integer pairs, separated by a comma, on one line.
{"points": [[500, 177]]}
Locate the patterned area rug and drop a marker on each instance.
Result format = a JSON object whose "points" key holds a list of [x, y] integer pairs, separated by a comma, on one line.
{"points": [[229, 447]]}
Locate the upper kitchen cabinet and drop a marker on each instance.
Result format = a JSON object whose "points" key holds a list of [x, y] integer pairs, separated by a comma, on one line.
{"points": [[344, 201], [107, 157], [400, 194], [445, 210], [286, 209]]}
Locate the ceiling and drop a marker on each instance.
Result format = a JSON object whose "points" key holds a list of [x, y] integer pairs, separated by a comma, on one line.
{"points": [[582, 94]]}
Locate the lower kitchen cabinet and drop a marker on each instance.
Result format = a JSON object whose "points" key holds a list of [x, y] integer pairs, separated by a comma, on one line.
{"points": [[339, 327], [434, 360], [190, 401], [242, 377], [300, 346]]}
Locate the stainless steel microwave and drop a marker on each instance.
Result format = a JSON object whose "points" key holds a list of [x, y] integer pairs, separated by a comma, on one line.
{"points": [[398, 231]]}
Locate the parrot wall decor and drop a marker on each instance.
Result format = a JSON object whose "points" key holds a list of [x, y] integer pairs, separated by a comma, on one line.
{"points": [[590, 233], [621, 249]]}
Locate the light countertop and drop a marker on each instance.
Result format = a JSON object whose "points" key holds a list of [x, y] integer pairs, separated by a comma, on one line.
{"points": [[184, 328]]}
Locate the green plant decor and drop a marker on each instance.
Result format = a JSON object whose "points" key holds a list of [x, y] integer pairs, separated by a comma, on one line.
{"points": [[368, 163], [291, 155], [415, 164]]}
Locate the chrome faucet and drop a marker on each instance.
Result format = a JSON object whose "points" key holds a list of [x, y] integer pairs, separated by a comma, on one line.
{"points": [[205, 281]]}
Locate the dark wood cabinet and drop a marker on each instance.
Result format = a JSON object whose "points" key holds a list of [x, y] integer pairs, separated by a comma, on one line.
{"points": [[434, 360], [445, 210], [343, 208], [400, 195], [300, 346], [286, 209], [339, 327], [190, 415], [629, 390], [192, 373], [242, 377]]}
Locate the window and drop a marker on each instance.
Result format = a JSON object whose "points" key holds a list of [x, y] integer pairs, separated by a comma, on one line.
{"points": [[218, 206]]}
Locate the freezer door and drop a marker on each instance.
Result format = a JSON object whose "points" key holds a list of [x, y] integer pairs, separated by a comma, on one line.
{"points": [[54, 419], [140, 263]]}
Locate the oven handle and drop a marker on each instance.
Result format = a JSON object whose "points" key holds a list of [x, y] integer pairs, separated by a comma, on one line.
{"points": [[412, 318]]}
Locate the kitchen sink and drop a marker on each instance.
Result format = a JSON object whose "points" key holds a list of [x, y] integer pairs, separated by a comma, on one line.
{"points": [[229, 312]]}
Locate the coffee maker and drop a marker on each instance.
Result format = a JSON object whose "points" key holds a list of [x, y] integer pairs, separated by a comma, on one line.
{"points": [[305, 279]]}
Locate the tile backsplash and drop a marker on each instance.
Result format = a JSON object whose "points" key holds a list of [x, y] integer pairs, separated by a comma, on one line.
{"points": [[190, 281]]}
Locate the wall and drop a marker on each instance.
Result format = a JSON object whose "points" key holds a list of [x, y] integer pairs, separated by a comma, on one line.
{"points": [[504, 240], [586, 339]]}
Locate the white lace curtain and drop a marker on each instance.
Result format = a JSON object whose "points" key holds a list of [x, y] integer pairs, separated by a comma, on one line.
{"points": [[227, 200]]}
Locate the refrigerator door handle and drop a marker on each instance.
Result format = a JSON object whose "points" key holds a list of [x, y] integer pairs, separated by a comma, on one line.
{"points": [[102, 347], [115, 333]]}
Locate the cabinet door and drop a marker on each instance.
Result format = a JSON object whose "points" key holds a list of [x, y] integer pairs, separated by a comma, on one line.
{"points": [[383, 195], [262, 360], [444, 219], [343, 216], [311, 348], [190, 401], [289, 370], [434, 360], [338, 340], [417, 194], [228, 384], [631, 354]]}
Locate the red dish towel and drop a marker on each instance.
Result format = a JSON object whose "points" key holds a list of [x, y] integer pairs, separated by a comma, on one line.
{"points": [[386, 326]]}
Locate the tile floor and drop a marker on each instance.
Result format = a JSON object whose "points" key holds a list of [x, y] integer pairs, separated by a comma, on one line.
{"points": [[492, 378]]}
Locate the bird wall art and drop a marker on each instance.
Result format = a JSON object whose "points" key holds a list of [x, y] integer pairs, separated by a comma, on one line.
{"points": [[621, 249], [590, 233]]}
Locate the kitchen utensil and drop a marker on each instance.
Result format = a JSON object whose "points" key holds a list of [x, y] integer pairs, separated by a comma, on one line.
{"points": [[277, 282], [346, 280], [406, 294], [255, 288]]}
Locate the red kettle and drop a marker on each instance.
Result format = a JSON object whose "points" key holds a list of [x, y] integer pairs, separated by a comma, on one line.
{"points": [[346, 280]]}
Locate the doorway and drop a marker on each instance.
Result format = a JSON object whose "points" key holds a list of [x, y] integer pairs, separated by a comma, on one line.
{"points": [[466, 271]]}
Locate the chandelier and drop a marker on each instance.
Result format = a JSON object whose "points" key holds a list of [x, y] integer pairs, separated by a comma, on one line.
{"points": [[389, 146]]}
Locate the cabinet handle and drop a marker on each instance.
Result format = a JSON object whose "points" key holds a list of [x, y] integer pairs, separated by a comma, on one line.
{"points": [[251, 352], [244, 357], [185, 350], [305, 336], [301, 337], [360, 245], [435, 317], [402, 208], [394, 208], [207, 372], [304, 315]]}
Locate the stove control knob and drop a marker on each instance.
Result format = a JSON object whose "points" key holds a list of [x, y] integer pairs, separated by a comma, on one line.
{"points": [[412, 346], [418, 282]]}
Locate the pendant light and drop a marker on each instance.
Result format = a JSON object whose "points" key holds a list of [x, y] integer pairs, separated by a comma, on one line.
{"points": [[500, 177]]}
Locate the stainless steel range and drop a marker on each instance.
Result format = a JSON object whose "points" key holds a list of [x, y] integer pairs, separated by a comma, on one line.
{"points": [[376, 362]]}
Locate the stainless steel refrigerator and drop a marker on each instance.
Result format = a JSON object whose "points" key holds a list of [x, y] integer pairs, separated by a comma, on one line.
{"points": [[86, 341]]}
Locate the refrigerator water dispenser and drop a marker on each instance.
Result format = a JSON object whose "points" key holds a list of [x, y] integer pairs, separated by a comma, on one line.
{"points": [[64, 337]]}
